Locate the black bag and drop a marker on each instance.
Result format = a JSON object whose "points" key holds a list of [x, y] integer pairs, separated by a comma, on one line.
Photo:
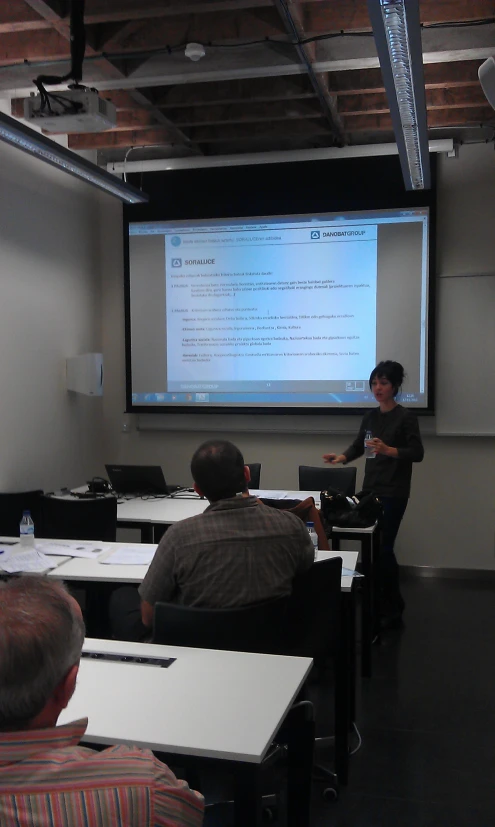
{"points": [[360, 511]]}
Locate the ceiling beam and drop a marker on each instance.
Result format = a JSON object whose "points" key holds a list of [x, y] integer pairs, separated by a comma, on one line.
{"points": [[437, 118], [376, 103], [233, 91], [246, 113], [292, 16], [204, 134], [158, 78], [135, 138]]}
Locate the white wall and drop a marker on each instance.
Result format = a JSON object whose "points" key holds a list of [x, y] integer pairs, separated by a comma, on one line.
{"points": [[50, 309], [450, 519]]}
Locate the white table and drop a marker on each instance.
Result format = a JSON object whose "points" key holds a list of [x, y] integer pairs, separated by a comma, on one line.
{"points": [[150, 513], [208, 704], [96, 571]]}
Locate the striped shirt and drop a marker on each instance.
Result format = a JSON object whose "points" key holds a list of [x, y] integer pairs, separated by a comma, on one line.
{"points": [[47, 780]]}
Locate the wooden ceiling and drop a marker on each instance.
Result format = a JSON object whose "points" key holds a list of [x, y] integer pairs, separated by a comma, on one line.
{"points": [[277, 74]]}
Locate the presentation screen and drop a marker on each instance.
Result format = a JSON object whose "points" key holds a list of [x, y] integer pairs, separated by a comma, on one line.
{"points": [[279, 312]]}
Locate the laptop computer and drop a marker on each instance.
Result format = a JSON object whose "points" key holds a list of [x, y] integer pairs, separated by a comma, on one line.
{"points": [[138, 479]]}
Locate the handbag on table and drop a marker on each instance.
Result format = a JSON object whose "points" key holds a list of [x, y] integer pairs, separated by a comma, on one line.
{"points": [[360, 511]]}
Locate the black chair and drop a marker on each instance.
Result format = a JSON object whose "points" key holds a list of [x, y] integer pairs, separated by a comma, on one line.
{"points": [[255, 469], [257, 628], [314, 630], [11, 508], [65, 519], [314, 478]]}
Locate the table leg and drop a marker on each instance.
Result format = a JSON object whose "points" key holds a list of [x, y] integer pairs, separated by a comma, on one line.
{"points": [[147, 532], [300, 750], [342, 692], [367, 616], [247, 795], [375, 563], [352, 655]]}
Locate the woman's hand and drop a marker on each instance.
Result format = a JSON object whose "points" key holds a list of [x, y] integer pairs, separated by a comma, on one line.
{"points": [[379, 447], [334, 459]]}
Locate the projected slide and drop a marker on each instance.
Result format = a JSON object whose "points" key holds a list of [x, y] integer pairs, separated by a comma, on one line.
{"points": [[258, 311], [285, 311]]}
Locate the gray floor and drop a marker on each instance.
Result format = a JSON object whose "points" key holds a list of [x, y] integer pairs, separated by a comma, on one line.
{"points": [[427, 718]]}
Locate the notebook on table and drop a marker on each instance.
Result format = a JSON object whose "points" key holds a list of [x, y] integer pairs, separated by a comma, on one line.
{"points": [[138, 479]]}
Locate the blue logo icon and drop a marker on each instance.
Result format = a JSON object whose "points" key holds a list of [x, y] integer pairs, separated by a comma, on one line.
{"points": [[175, 241], [315, 234], [176, 262]]}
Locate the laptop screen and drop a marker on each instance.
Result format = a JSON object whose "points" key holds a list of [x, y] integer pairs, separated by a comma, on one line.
{"points": [[137, 479]]}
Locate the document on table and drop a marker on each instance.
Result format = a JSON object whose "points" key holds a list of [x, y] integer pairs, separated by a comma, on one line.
{"points": [[351, 573], [130, 556], [31, 561], [269, 494], [74, 549]]}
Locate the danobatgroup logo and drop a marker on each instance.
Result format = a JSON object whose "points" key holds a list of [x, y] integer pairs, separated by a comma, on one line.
{"points": [[315, 234], [176, 262]]}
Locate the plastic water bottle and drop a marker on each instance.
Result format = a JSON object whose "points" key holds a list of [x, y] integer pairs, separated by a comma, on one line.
{"points": [[313, 536], [26, 529], [369, 452]]}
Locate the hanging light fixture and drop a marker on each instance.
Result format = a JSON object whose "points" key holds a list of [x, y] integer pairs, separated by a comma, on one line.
{"points": [[397, 33], [22, 137]]}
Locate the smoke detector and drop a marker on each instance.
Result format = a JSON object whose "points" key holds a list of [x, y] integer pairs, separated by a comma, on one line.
{"points": [[194, 51]]}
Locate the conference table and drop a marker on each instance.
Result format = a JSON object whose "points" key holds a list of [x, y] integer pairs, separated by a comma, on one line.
{"points": [[97, 575], [150, 514], [207, 706]]}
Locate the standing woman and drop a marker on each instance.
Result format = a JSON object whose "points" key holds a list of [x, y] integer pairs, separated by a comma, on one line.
{"points": [[396, 443]]}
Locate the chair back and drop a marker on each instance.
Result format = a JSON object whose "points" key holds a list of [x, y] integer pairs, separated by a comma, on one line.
{"points": [[313, 625], [66, 519], [257, 628], [315, 478], [255, 469], [11, 508]]}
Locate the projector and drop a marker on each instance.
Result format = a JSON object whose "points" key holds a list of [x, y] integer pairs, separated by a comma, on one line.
{"points": [[74, 110]]}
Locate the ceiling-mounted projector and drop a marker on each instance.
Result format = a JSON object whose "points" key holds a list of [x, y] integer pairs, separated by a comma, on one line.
{"points": [[74, 110]]}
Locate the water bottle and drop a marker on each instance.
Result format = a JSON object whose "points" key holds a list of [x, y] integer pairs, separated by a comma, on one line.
{"points": [[313, 536], [26, 529], [369, 452]]}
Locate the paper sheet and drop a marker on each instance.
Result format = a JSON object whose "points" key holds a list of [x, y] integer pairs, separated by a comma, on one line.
{"points": [[5, 552], [27, 561], [130, 556], [269, 494], [74, 549], [351, 573]]}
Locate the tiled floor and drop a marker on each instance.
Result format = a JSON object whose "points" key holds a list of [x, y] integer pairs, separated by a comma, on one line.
{"points": [[427, 718]]}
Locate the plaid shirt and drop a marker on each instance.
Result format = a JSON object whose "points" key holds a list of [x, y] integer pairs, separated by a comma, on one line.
{"points": [[47, 780], [236, 553]]}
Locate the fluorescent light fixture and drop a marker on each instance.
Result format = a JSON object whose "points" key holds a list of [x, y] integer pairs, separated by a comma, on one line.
{"points": [[22, 137], [397, 32], [247, 158]]}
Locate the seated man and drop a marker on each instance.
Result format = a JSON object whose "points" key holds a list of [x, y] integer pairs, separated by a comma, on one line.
{"points": [[46, 779], [238, 552]]}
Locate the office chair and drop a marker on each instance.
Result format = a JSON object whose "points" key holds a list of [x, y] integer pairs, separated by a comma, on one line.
{"points": [[257, 628], [313, 630], [11, 508], [314, 478], [255, 469], [65, 519]]}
